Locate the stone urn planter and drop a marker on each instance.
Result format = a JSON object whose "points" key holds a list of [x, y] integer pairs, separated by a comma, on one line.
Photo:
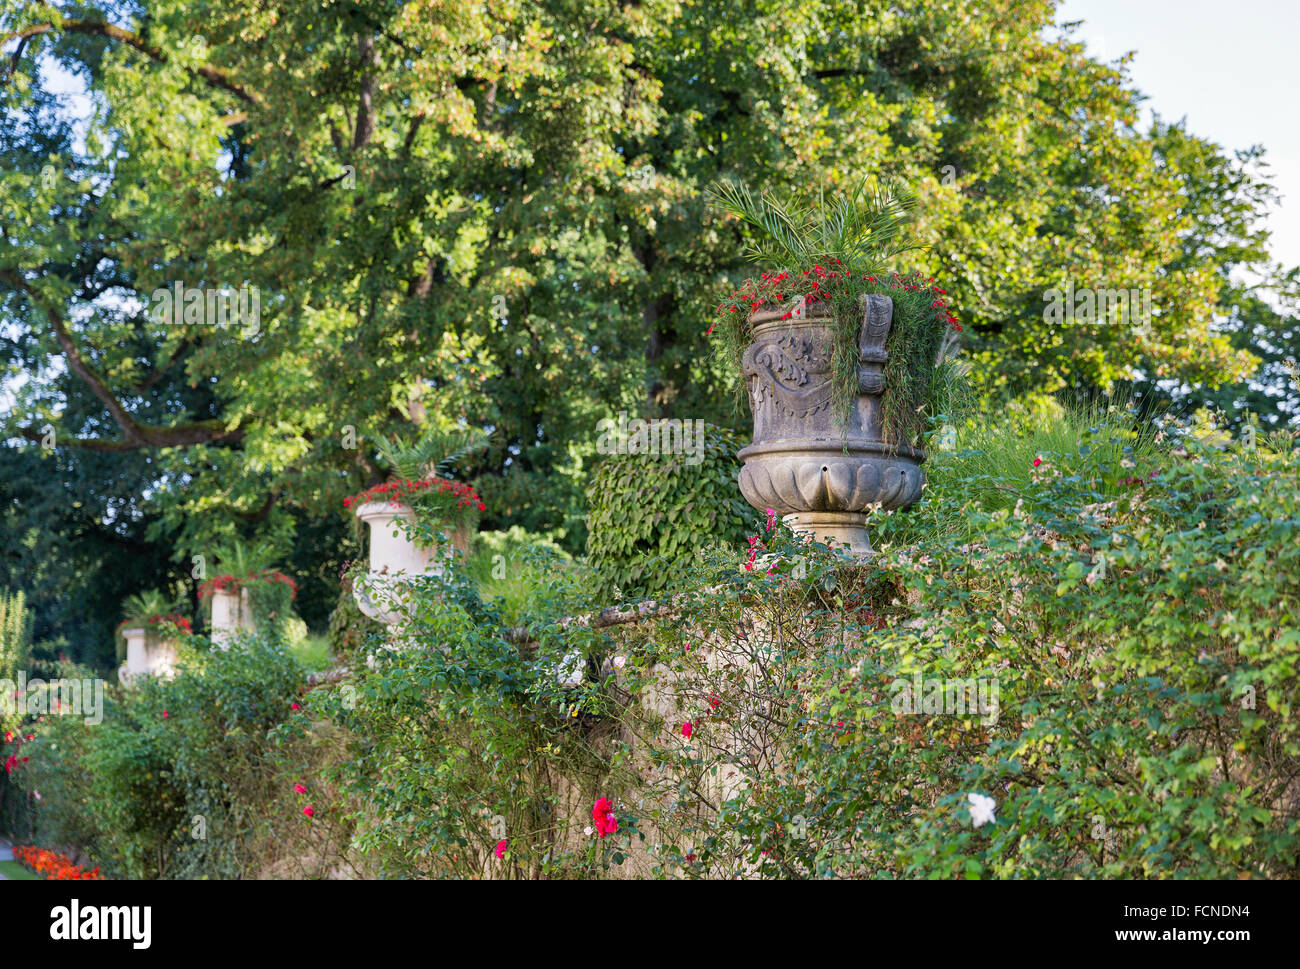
{"points": [[394, 560], [231, 615], [801, 463], [147, 654]]}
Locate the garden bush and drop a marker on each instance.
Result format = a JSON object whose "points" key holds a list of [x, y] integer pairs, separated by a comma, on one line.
{"points": [[182, 778], [1103, 666], [1144, 650]]}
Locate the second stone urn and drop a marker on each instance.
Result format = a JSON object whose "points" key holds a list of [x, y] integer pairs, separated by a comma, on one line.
{"points": [[231, 614], [804, 463], [395, 559], [148, 653]]}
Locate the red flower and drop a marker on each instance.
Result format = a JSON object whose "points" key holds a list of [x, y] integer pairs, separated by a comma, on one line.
{"points": [[294, 706], [53, 866], [1037, 461], [602, 812], [166, 715], [309, 811], [298, 788], [687, 730], [501, 848]]}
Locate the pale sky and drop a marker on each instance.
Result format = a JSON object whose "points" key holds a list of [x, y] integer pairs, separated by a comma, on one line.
{"points": [[1231, 69]]}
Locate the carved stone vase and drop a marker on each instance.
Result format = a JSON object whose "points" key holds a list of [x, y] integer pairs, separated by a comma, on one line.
{"points": [[802, 463]]}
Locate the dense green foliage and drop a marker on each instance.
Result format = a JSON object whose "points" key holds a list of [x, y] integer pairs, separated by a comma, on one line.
{"points": [[181, 780], [492, 224], [499, 219], [1139, 626], [15, 640], [652, 514]]}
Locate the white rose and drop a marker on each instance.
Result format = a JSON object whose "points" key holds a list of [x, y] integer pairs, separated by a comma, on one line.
{"points": [[981, 809]]}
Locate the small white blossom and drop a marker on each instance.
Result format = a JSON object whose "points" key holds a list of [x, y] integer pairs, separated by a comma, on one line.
{"points": [[981, 809], [620, 662], [570, 671]]}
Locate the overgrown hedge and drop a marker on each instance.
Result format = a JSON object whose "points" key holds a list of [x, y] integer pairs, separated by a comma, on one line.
{"points": [[1140, 625], [182, 779]]}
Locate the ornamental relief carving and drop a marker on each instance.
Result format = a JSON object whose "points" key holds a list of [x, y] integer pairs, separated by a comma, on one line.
{"points": [[790, 372]]}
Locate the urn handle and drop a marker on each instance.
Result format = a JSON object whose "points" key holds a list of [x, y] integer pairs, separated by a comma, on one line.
{"points": [[877, 316]]}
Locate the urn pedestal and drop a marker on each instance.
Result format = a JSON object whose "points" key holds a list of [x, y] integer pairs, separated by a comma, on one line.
{"points": [[147, 654], [821, 475]]}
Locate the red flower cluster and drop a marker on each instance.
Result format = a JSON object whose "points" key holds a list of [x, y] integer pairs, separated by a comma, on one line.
{"points": [[820, 284], [602, 812], [397, 490], [756, 546], [233, 583], [14, 759], [54, 866], [175, 620]]}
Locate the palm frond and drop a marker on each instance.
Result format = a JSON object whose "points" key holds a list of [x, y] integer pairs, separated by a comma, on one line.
{"points": [[861, 227], [434, 453], [242, 558], [143, 605]]}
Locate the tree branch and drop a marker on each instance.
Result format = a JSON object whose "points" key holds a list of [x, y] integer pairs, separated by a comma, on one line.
{"points": [[366, 102], [135, 435], [212, 75]]}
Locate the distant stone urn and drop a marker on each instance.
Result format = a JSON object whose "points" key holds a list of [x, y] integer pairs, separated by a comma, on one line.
{"points": [[801, 463], [231, 614], [148, 653], [383, 592]]}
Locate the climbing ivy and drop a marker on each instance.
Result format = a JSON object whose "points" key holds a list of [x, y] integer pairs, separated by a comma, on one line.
{"points": [[652, 513]]}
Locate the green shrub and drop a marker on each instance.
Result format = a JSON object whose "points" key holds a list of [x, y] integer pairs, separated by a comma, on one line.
{"points": [[1144, 722], [513, 567], [987, 459], [462, 725], [177, 780], [651, 515]]}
